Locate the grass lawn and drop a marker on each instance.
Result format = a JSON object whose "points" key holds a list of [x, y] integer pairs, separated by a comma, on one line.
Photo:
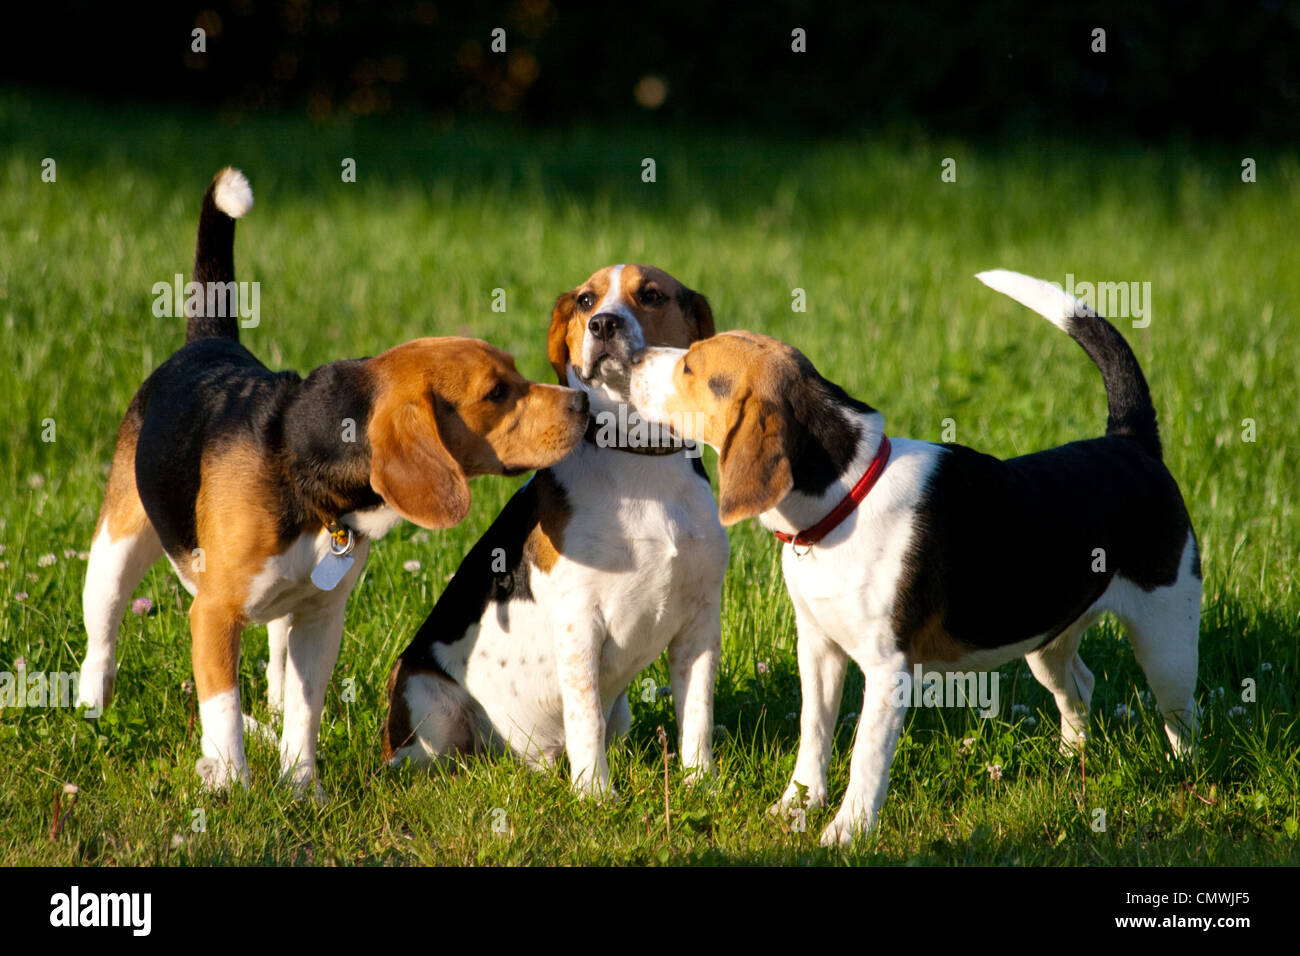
{"points": [[884, 251]]}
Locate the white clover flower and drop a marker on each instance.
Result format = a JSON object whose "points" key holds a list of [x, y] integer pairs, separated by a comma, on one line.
{"points": [[995, 770], [45, 560], [412, 566]]}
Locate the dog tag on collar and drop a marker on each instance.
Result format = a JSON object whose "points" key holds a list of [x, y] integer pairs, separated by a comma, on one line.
{"points": [[335, 565], [331, 570]]}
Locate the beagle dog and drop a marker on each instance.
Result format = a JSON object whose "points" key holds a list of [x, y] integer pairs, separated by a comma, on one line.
{"points": [[264, 490], [592, 569], [902, 553]]}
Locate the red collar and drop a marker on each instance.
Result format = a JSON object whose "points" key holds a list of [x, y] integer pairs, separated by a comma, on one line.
{"points": [[842, 510]]}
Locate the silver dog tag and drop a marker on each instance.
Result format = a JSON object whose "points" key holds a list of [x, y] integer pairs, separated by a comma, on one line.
{"points": [[331, 570], [334, 565]]}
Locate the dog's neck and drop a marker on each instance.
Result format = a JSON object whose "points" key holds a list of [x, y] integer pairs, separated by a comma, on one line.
{"points": [[800, 510], [325, 451]]}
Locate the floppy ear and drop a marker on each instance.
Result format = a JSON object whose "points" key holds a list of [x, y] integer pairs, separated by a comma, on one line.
{"points": [[754, 464], [698, 308], [557, 345], [411, 468]]}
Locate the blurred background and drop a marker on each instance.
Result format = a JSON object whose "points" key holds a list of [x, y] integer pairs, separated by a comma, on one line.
{"points": [[1170, 67], [784, 179]]}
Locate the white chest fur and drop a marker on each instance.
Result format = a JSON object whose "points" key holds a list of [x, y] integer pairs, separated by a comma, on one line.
{"points": [[643, 555], [284, 584]]}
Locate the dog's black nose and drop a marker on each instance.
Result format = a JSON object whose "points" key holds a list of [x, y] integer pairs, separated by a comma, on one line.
{"points": [[604, 325], [580, 402]]}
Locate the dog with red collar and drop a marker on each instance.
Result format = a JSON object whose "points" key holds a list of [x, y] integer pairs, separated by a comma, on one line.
{"points": [[899, 553], [264, 490], [593, 569]]}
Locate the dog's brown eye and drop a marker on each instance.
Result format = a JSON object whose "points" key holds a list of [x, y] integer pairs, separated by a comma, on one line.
{"points": [[686, 369], [586, 301], [497, 394], [650, 296]]}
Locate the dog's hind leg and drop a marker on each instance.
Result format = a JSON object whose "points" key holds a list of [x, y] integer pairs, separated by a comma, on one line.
{"points": [[124, 547], [277, 645], [430, 719], [618, 721], [1060, 669], [1163, 626]]}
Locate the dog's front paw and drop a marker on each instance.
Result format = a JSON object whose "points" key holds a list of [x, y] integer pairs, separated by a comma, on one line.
{"points": [[302, 779], [217, 775], [798, 797], [94, 691], [590, 786], [704, 777], [840, 831]]}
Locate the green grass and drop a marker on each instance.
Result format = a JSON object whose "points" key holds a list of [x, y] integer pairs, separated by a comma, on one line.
{"points": [[885, 252]]}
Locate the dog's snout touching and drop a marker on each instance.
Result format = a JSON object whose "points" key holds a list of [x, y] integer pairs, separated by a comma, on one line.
{"points": [[637, 358], [579, 402], [605, 325]]}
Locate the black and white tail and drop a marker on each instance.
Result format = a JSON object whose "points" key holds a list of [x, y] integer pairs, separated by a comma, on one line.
{"points": [[1131, 413], [229, 197]]}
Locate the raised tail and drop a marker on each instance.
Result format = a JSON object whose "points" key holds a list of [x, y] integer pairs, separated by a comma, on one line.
{"points": [[229, 197], [1131, 413]]}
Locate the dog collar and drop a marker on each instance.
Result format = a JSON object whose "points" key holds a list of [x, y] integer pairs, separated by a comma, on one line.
{"points": [[592, 429], [842, 510]]}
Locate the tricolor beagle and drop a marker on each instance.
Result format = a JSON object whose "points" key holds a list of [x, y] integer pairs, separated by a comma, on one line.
{"points": [[905, 552], [593, 568], [264, 490]]}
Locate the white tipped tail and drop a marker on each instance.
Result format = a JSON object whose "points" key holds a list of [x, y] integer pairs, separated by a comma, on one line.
{"points": [[1127, 397], [1046, 298], [233, 195]]}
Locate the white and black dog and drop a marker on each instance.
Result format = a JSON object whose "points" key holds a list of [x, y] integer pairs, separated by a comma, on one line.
{"points": [[591, 571], [910, 553]]}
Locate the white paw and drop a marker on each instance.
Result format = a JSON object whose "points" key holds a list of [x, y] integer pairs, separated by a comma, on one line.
{"points": [[304, 782], [94, 688], [591, 787], [814, 797], [839, 832], [217, 774], [703, 777]]}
